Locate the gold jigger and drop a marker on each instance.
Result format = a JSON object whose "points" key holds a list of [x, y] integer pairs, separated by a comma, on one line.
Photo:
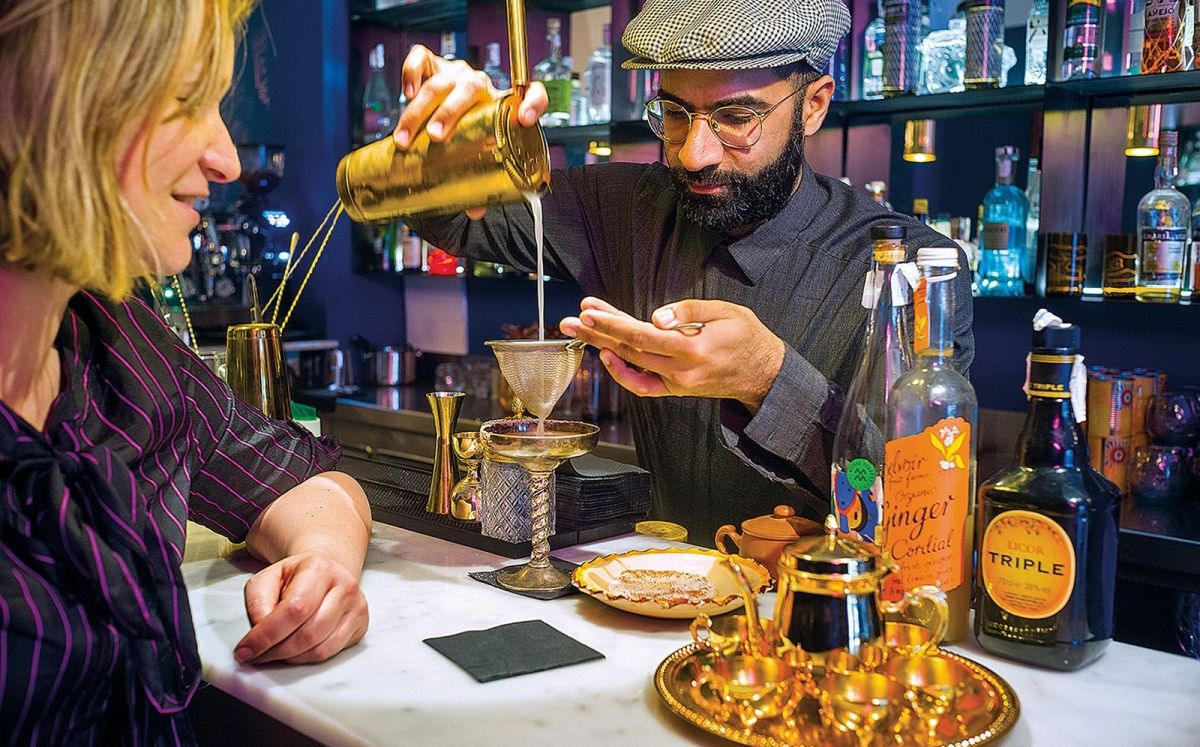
{"points": [[255, 368], [445, 407], [490, 159]]}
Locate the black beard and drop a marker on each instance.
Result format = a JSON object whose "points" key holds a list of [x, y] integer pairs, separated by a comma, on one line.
{"points": [[748, 199]]}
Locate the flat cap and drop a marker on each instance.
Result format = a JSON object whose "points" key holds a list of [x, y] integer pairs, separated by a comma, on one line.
{"points": [[734, 34]]}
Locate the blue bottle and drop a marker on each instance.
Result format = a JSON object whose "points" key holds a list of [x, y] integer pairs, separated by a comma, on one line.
{"points": [[1002, 240]]}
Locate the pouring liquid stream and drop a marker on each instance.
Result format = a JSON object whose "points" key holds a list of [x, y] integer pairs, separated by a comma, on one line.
{"points": [[535, 207]]}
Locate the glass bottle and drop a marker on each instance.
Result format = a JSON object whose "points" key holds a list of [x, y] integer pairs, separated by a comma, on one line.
{"points": [[1033, 221], [1136, 25], [1037, 30], [449, 46], [1162, 42], [599, 80], [902, 28], [929, 458], [377, 107], [944, 58], [493, 70], [579, 102], [857, 473], [1164, 229], [556, 77], [1047, 534], [1002, 238], [1081, 40], [872, 61], [878, 191], [985, 44]]}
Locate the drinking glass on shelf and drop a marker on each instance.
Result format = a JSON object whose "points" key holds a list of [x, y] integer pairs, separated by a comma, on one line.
{"points": [[449, 377], [479, 377], [1158, 472], [1173, 418]]}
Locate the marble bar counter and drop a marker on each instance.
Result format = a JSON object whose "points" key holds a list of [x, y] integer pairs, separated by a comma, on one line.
{"points": [[392, 689]]}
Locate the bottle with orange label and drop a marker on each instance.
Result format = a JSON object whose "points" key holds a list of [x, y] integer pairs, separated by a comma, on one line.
{"points": [[929, 458], [1048, 528]]}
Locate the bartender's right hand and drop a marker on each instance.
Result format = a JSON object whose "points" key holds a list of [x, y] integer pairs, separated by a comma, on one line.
{"points": [[440, 91]]}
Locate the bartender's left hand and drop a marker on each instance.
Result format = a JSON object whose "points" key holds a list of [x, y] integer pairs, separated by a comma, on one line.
{"points": [[302, 609], [734, 356]]}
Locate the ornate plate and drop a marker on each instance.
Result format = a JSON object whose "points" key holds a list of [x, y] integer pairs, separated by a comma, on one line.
{"points": [[597, 577], [987, 710]]}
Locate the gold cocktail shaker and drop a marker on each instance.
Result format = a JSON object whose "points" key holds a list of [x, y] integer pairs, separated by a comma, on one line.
{"points": [[490, 159], [255, 368]]}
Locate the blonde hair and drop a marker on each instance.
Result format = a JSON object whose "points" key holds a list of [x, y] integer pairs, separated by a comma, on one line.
{"points": [[76, 77]]}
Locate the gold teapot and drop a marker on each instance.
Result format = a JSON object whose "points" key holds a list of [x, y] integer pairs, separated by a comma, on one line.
{"points": [[828, 600]]}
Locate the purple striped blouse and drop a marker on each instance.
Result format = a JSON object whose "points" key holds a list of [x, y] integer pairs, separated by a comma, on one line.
{"points": [[96, 637]]}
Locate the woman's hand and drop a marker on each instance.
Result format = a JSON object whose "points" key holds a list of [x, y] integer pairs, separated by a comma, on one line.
{"points": [[732, 356], [302, 609]]}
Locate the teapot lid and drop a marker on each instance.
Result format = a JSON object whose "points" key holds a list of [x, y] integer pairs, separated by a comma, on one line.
{"points": [[831, 554], [782, 525]]}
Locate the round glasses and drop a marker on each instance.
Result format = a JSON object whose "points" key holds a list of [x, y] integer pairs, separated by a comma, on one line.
{"points": [[736, 126]]}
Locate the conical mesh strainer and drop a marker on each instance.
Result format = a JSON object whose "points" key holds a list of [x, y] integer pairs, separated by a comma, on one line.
{"points": [[538, 371]]}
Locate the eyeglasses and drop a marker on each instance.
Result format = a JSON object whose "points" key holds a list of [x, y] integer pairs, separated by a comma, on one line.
{"points": [[735, 126]]}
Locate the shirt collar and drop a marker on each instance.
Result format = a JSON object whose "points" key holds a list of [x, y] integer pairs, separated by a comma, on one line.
{"points": [[758, 252]]}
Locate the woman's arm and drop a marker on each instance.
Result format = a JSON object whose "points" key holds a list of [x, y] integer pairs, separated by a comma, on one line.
{"points": [[307, 605]]}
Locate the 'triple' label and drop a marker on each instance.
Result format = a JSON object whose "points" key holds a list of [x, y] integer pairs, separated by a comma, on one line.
{"points": [[1028, 564]]}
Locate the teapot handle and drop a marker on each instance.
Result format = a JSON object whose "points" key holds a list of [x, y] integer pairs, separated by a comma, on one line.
{"points": [[728, 531], [941, 613], [702, 623]]}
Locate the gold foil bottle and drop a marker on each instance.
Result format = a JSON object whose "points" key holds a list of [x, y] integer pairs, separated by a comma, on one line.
{"points": [[1066, 258], [1120, 265]]}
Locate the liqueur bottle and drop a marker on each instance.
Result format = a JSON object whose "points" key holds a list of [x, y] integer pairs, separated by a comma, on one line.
{"points": [[1081, 40], [493, 70], [929, 458], [1037, 30], [1164, 229], [1163, 39], [1048, 528], [857, 473], [377, 106], [1003, 235], [556, 77], [872, 62]]}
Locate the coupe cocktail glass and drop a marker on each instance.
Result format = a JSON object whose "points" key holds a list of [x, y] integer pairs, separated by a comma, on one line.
{"points": [[539, 448]]}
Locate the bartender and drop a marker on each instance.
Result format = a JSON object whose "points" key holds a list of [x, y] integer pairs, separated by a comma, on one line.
{"points": [[734, 231]]}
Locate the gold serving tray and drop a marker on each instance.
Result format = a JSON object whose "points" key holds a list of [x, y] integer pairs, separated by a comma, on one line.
{"points": [[995, 714]]}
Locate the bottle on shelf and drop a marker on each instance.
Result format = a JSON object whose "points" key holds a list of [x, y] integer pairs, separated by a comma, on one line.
{"points": [[1033, 221], [929, 457], [902, 30], [1163, 43], [921, 210], [1047, 537], [1081, 40], [1003, 234], [878, 191], [1037, 36], [599, 80], [872, 59], [985, 44], [858, 464], [579, 102], [448, 46], [493, 70], [555, 75], [1135, 24], [378, 106], [944, 58], [1164, 229]]}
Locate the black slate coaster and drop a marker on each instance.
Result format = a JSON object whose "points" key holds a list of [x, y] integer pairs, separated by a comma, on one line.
{"points": [[512, 649], [490, 578]]}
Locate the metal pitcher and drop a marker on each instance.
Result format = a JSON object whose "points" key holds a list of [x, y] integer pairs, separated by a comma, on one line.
{"points": [[255, 368]]}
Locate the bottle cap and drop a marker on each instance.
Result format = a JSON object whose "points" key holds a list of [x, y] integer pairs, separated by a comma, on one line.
{"points": [[1008, 151], [1062, 340], [938, 256], [888, 231]]}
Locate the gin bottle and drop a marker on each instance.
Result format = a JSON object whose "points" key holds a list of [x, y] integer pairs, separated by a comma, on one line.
{"points": [[1002, 238], [492, 68], [1048, 529], [1033, 221], [929, 458], [378, 108], [878, 191], [556, 77], [1164, 229], [857, 472], [872, 61], [1037, 29], [599, 81]]}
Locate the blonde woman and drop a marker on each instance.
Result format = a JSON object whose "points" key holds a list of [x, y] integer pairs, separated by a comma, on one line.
{"points": [[112, 433]]}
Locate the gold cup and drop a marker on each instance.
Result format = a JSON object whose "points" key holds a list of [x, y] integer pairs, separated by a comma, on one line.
{"points": [[490, 159], [725, 635], [933, 685], [748, 688], [255, 368], [907, 639], [864, 704]]}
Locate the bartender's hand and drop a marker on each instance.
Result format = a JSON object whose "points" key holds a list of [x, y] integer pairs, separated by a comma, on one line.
{"points": [[734, 356], [440, 91]]}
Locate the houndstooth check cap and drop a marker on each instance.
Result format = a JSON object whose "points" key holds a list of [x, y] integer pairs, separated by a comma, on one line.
{"points": [[734, 34]]}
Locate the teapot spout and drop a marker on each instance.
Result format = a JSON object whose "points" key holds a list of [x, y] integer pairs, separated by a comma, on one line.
{"points": [[760, 641]]}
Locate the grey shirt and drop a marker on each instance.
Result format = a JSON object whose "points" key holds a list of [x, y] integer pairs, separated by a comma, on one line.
{"points": [[615, 229]]}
